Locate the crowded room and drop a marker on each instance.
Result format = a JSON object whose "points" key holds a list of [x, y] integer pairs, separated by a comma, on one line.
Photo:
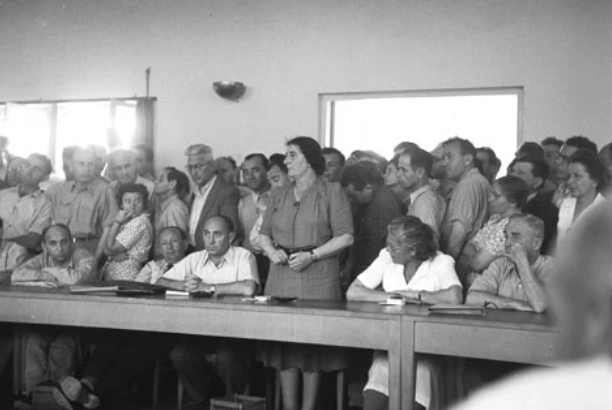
{"points": [[283, 205]]}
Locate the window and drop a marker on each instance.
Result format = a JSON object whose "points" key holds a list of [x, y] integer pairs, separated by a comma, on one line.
{"points": [[48, 127], [379, 121]]}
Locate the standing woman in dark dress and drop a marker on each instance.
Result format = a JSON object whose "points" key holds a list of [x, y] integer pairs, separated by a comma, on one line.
{"points": [[305, 227]]}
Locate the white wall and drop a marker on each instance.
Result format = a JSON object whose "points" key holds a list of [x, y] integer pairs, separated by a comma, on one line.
{"points": [[289, 51]]}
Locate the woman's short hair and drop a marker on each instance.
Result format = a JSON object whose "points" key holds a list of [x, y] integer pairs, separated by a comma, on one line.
{"points": [[134, 189], [412, 231], [311, 151], [592, 164], [515, 189]]}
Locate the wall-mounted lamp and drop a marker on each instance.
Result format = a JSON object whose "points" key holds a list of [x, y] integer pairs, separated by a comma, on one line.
{"points": [[230, 90]]}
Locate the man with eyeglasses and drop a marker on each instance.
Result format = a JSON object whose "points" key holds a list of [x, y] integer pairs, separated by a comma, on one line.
{"points": [[25, 212], [211, 195]]}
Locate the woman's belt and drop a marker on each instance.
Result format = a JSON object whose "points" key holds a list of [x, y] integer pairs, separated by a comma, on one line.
{"points": [[291, 251]]}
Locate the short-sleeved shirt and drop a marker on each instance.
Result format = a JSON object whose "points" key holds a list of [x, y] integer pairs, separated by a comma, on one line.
{"points": [[437, 273], [21, 215], [251, 210], [468, 205], [492, 237], [429, 206], [238, 265], [172, 212], [501, 278], [86, 211], [152, 271], [136, 236], [80, 268]]}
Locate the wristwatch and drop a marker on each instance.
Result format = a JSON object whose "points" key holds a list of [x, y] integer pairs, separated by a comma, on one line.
{"points": [[213, 289]]}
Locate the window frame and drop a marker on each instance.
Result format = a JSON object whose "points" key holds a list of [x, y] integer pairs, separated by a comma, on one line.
{"points": [[53, 120], [327, 104]]}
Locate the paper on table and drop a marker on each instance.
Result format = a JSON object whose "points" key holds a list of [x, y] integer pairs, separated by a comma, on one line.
{"points": [[171, 292]]}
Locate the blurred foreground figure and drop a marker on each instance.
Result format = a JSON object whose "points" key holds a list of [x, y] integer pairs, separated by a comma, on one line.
{"points": [[581, 296]]}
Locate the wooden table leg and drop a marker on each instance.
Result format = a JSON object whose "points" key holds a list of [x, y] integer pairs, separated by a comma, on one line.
{"points": [[395, 365], [408, 364]]}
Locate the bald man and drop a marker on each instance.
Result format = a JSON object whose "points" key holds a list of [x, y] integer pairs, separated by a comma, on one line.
{"points": [[220, 269], [51, 352]]}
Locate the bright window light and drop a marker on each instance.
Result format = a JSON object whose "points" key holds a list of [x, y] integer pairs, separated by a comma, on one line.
{"points": [[29, 127], [48, 127], [378, 122]]}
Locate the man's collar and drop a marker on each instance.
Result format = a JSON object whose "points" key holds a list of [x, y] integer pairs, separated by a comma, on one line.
{"points": [[49, 261], [199, 191], [470, 171], [33, 193], [83, 187], [165, 202], [415, 194], [228, 256], [263, 194]]}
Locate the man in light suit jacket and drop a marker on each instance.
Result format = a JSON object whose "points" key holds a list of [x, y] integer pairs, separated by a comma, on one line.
{"points": [[212, 195]]}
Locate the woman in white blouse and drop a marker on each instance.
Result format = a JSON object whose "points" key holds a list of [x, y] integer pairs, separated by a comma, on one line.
{"points": [[410, 266], [587, 177]]}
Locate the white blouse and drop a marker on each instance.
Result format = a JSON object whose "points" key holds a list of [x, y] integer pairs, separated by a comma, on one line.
{"points": [[567, 207], [435, 274]]}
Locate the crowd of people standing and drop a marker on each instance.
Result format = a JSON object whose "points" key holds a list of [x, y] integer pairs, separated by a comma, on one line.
{"points": [[431, 227]]}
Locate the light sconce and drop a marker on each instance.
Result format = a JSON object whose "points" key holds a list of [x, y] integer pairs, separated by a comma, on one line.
{"points": [[229, 90]]}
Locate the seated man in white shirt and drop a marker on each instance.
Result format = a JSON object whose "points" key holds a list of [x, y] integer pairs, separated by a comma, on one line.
{"points": [[581, 297], [220, 269], [172, 242], [51, 352]]}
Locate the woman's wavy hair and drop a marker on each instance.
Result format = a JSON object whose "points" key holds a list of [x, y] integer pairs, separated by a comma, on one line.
{"points": [[413, 232]]}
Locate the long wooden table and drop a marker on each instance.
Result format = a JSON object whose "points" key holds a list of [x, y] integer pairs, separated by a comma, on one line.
{"points": [[358, 325], [402, 331]]}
